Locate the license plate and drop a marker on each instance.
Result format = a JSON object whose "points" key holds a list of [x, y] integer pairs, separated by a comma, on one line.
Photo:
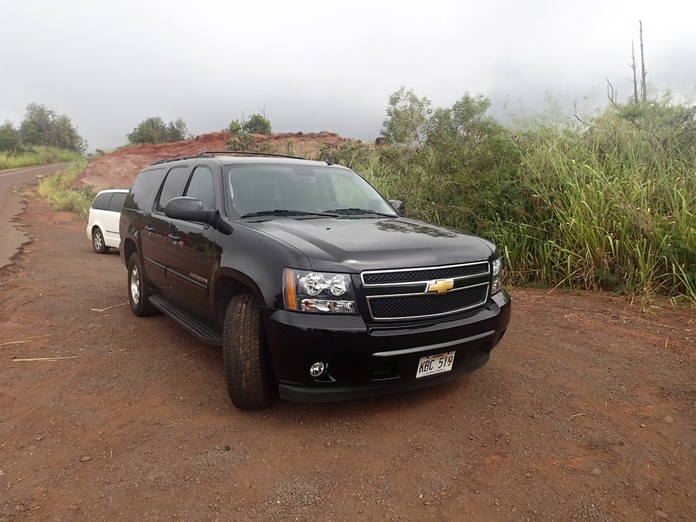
{"points": [[434, 364]]}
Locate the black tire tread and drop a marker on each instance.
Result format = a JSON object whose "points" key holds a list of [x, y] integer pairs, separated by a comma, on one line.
{"points": [[248, 376]]}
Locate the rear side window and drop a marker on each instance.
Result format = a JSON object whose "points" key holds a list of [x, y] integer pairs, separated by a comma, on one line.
{"points": [[101, 202], [144, 186], [117, 201]]}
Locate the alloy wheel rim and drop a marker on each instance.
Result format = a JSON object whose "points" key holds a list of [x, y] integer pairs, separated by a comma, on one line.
{"points": [[135, 285]]}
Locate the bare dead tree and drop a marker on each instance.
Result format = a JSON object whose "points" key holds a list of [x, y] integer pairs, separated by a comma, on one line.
{"points": [[634, 69], [644, 73], [611, 94]]}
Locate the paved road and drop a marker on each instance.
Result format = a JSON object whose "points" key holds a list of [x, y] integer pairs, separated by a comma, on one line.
{"points": [[11, 205]]}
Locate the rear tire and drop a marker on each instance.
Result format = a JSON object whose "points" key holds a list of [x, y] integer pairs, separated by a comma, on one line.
{"points": [[250, 382], [98, 242], [138, 289]]}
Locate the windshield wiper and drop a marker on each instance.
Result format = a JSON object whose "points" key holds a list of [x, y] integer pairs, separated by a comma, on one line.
{"points": [[352, 211], [286, 212]]}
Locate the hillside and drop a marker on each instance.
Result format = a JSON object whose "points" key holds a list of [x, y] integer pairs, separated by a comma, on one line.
{"points": [[119, 168]]}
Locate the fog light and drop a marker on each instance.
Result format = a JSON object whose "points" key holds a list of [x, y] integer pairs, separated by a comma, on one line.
{"points": [[318, 369]]}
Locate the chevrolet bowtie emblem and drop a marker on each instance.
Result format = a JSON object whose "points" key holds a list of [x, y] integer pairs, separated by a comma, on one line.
{"points": [[441, 286]]}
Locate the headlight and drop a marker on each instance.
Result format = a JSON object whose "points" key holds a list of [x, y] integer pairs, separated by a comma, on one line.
{"points": [[307, 291], [496, 267]]}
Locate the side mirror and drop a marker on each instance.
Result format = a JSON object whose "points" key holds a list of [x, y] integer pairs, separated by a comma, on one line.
{"points": [[188, 209], [398, 205], [191, 209]]}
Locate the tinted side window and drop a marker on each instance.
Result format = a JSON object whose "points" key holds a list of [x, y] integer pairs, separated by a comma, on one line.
{"points": [[201, 187], [147, 182], [173, 186], [101, 202], [117, 201]]}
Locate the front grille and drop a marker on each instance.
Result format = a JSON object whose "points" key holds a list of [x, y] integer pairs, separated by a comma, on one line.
{"points": [[401, 295], [421, 275], [418, 306]]}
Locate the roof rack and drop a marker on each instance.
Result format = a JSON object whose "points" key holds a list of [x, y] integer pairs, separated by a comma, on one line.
{"points": [[212, 153]]}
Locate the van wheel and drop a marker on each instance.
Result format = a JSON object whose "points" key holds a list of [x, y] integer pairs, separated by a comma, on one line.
{"points": [[98, 242], [138, 289], [250, 382]]}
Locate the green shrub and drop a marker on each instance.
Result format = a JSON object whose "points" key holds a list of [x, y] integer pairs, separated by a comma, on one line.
{"points": [[59, 191]]}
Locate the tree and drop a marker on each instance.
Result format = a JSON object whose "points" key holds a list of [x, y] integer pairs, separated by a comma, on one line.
{"points": [[178, 131], [407, 118], [42, 126], [10, 139], [155, 130], [234, 127], [36, 125], [256, 124]]}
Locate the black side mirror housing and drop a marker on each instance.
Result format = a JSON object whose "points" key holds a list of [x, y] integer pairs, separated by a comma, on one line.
{"points": [[191, 209], [398, 205]]}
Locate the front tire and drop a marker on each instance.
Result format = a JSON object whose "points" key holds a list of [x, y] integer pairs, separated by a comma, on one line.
{"points": [[138, 289], [250, 382], [98, 242]]}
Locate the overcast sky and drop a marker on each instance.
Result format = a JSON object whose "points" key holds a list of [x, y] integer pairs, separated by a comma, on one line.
{"points": [[325, 65]]}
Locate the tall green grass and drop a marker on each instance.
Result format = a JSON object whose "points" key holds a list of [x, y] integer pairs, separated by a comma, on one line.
{"points": [[37, 155], [610, 212]]}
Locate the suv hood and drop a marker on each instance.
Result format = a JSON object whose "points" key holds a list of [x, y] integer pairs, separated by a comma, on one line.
{"points": [[335, 244]]}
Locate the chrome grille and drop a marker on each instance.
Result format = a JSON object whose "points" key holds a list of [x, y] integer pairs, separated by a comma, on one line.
{"points": [[401, 295], [421, 275], [416, 306]]}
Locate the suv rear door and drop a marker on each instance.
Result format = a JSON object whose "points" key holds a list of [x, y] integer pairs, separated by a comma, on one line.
{"points": [[156, 230], [191, 249]]}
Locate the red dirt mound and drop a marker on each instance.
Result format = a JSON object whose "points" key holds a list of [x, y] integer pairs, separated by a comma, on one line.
{"points": [[118, 169]]}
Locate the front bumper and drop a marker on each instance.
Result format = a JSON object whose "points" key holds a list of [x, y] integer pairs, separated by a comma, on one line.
{"points": [[365, 360]]}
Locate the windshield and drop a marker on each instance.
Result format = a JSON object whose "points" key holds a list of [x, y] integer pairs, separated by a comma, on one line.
{"points": [[293, 190]]}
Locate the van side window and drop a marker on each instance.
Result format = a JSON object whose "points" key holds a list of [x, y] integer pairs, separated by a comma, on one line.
{"points": [[117, 201], [201, 187], [173, 186], [101, 202]]}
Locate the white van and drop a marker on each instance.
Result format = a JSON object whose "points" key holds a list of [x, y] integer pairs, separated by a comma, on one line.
{"points": [[102, 227]]}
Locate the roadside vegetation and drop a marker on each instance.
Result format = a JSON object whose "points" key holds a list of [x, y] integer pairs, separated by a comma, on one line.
{"points": [[62, 194], [44, 137], [41, 137], [37, 155]]}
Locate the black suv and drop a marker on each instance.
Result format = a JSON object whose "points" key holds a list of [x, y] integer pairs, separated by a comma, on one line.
{"points": [[315, 286]]}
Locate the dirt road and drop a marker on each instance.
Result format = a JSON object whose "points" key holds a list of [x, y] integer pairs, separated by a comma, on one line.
{"points": [[587, 411], [11, 204]]}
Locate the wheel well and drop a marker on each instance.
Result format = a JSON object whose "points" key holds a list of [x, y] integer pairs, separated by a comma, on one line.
{"points": [[225, 289], [129, 249]]}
